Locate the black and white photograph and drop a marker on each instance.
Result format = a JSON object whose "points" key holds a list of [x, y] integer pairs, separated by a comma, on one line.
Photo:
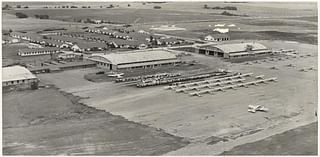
{"points": [[159, 78]]}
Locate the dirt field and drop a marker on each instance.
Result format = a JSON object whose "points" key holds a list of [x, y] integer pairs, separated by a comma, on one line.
{"points": [[212, 115], [304, 137], [48, 122]]}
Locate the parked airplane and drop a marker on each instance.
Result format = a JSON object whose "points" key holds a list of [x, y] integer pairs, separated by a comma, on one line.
{"points": [[254, 108], [117, 75]]}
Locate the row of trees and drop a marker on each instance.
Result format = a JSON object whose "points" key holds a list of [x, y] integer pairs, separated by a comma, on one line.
{"points": [[21, 15], [41, 16], [220, 8], [19, 6], [66, 6], [6, 7], [230, 14]]}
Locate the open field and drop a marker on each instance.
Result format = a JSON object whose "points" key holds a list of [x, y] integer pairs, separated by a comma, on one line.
{"points": [[304, 137], [11, 22], [49, 122], [260, 9], [212, 115], [119, 15]]}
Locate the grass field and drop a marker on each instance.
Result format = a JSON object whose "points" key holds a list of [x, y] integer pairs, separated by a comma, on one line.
{"points": [[119, 15], [261, 9], [10, 21], [305, 138], [49, 122]]}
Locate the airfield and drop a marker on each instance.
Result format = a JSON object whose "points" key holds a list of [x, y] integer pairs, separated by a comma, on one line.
{"points": [[163, 121], [200, 118]]}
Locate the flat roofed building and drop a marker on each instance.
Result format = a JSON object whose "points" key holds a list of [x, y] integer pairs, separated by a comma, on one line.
{"points": [[135, 59], [15, 75], [234, 50], [38, 51]]}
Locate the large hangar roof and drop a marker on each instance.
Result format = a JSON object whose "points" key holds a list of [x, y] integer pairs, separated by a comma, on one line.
{"points": [[16, 73], [135, 57], [238, 47]]}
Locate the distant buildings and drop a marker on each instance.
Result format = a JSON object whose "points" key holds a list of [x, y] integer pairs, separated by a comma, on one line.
{"points": [[8, 40], [91, 39], [134, 59], [17, 75], [234, 50]]}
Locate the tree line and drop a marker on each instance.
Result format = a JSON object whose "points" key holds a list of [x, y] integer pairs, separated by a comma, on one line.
{"points": [[220, 8]]}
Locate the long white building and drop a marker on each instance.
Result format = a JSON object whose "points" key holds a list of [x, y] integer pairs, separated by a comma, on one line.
{"points": [[135, 59], [38, 51]]}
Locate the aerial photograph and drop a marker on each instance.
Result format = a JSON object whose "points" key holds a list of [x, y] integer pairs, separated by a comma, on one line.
{"points": [[159, 78]]}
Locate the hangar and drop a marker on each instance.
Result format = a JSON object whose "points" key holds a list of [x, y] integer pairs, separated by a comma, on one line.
{"points": [[135, 59], [234, 50], [15, 75]]}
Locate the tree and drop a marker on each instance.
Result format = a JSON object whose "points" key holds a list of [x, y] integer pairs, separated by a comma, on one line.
{"points": [[21, 15], [6, 7], [205, 6], [41, 16], [129, 5], [227, 13], [110, 6]]}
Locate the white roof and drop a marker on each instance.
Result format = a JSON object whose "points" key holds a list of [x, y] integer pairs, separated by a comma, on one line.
{"points": [[136, 57], [221, 30], [227, 48], [16, 73]]}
